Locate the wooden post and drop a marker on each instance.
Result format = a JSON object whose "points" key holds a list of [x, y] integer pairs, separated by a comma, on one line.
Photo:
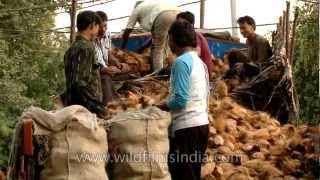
{"points": [[284, 23], [202, 10], [287, 30], [280, 25], [293, 36], [295, 99], [73, 12]]}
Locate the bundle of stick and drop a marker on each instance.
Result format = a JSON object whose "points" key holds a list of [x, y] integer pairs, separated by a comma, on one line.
{"points": [[268, 91]]}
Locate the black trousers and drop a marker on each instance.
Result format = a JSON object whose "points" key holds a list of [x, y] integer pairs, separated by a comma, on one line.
{"points": [[187, 149]]}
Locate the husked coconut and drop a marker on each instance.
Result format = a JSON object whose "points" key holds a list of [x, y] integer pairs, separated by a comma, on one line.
{"points": [[256, 164], [209, 177], [276, 132], [229, 137], [248, 147], [277, 150], [290, 165], [220, 89], [212, 131], [258, 155], [263, 143], [231, 127], [207, 169], [239, 176], [224, 150], [245, 125], [227, 165], [218, 140], [290, 178], [270, 170], [230, 145], [260, 134], [288, 130], [219, 122], [218, 171]]}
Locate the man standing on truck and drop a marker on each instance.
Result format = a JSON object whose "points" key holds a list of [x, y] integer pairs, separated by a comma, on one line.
{"points": [[156, 17], [82, 68], [202, 44], [188, 104]]}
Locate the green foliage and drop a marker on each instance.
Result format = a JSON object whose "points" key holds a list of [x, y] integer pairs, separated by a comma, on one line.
{"points": [[31, 62], [306, 63]]}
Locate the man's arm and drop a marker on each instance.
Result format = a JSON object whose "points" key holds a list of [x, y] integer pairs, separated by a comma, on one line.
{"points": [[131, 23], [181, 85], [125, 38], [85, 64], [110, 70]]}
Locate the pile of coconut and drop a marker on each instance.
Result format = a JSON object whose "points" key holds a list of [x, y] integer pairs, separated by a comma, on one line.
{"points": [[243, 144]]}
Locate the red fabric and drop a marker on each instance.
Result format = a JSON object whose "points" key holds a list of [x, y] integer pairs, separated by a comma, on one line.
{"points": [[204, 51]]}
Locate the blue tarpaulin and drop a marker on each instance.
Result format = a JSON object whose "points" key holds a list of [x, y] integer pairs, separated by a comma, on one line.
{"points": [[217, 47], [133, 43]]}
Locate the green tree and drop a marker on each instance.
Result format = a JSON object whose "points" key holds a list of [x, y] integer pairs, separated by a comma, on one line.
{"points": [[306, 63], [31, 61]]}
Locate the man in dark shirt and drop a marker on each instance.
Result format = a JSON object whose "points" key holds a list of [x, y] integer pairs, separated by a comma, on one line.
{"points": [[259, 50], [202, 43], [81, 67]]}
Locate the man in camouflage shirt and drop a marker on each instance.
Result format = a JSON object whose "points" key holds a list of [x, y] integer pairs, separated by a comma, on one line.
{"points": [[81, 66]]}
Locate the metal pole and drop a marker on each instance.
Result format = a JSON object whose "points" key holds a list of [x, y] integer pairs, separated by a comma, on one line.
{"points": [[234, 18], [202, 13], [73, 21]]}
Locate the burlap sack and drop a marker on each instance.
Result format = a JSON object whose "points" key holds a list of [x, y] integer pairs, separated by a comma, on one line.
{"points": [[139, 145], [77, 145]]}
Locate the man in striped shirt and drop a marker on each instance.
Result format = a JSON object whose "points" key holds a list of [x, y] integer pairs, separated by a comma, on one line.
{"points": [[102, 45]]}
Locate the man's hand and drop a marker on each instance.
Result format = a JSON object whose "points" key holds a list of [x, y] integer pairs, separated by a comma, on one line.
{"points": [[113, 61], [125, 38]]}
